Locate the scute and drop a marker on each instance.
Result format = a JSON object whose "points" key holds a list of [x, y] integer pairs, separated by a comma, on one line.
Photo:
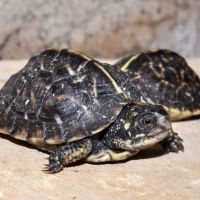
{"points": [[59, 96], [165, 78], [80, 107]]}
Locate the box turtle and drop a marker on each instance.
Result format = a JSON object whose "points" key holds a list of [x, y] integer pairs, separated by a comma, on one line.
{"points": [[164, 77], [76, 108]]}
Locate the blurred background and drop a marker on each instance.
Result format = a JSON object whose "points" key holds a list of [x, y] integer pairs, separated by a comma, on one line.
{"points": [[100, 28]]}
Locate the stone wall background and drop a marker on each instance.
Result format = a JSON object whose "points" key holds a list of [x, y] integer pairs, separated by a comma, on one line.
{"points": [[100, 28]]}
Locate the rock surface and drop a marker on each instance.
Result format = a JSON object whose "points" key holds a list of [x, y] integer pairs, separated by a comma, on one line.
{"points": [[99, 28], [150, 175]]}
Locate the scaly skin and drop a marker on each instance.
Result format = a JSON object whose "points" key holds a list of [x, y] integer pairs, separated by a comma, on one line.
{"points": [[172, 143], [79, 150], [124, 138], [68, 154]]}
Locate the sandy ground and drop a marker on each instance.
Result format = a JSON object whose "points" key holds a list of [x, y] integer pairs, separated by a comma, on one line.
{"points": [[150, 175]]}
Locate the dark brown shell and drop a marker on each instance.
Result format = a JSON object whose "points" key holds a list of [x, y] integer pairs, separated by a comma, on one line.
{"points": [[165, 78], [59, 96]]}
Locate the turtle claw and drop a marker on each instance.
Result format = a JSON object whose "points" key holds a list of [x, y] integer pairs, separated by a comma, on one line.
{"points": [[46, 170], [52, 169], [173, 143], [55, 163]]}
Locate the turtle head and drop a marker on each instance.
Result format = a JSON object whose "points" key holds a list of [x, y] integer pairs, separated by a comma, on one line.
{"points": [[138, 127]]}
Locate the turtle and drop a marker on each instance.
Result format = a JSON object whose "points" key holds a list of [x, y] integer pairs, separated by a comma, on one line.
{"points": [[76, 108], [164, 77]]}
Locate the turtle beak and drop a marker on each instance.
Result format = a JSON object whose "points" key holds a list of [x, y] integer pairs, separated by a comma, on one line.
{"points": [[165, 122], [164, 128]]}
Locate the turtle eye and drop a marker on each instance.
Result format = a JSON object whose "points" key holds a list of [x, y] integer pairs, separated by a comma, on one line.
{"points": [[147, 121]]}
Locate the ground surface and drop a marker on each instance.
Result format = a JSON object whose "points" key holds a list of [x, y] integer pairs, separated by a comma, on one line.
{"points": [[150, 175]]}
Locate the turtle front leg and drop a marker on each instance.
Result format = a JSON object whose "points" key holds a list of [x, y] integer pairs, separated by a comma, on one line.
{"points": [[68, 154], [172, 143]]}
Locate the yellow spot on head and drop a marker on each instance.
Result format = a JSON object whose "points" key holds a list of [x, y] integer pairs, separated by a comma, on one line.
{"points": [[127, 125]]}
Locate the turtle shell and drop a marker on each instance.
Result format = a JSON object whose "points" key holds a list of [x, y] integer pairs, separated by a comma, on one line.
{"points": [[59, 96], [165, 78]]}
